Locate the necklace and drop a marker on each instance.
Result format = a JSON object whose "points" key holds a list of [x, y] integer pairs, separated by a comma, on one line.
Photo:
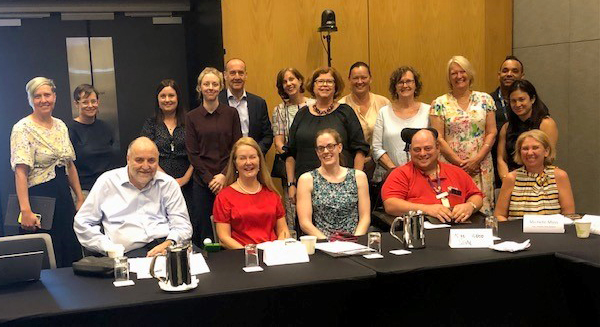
{"points": [[322, 112], [246, 191]]}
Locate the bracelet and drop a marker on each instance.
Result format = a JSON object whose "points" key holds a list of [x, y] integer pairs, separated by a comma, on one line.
{"points": [[473, 204]]}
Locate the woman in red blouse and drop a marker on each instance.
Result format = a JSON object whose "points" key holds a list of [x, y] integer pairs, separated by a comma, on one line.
{"points": [[248, 210]]}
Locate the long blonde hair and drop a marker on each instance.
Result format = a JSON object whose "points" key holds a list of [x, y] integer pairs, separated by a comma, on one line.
{"points": [[264, 175]]}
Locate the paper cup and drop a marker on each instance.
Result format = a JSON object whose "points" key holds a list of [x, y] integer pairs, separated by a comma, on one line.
{"points": [[309, 242], [583, 228], [116, 251]]}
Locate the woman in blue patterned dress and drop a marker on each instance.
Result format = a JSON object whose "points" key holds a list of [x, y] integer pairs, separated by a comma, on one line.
{"points": [[332, 198]]}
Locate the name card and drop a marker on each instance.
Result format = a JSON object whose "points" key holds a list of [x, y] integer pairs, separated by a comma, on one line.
{"points": [[543, 224], [284, 254], [471, 238]]}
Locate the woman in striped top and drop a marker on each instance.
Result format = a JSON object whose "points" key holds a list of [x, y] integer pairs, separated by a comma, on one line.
{"points": [[537, 187]]}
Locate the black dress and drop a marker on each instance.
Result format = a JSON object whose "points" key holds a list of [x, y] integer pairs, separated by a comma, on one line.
{"points": [[301, 143], [512, 134]]}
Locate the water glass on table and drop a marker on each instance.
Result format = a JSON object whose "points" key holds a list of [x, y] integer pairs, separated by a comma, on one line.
{"points": [[374, 241], [492, 222]]}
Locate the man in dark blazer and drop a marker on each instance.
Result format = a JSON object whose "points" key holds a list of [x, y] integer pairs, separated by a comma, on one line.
{"points": [[252, 109]]}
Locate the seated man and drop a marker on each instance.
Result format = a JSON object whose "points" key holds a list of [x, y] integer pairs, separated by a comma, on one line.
{"points": [[440, 190], [138, 207]]}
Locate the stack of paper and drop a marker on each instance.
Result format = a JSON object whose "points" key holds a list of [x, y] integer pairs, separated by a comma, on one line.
{"points": [[341, 247], [141, 266], [595, 220]]}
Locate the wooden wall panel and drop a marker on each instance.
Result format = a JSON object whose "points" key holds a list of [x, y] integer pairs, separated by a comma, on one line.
{"points": [[270, 35]]}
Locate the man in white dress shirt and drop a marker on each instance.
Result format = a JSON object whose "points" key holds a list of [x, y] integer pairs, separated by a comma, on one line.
{"points": [[136, 206]]}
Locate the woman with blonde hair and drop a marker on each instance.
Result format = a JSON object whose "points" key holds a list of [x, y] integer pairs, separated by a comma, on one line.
{"points": [[537, 187], [211, 130], [248, 210], [466, 123]]}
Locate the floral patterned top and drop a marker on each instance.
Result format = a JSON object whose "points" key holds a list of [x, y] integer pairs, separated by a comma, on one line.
{"points": [[40, 148], [283, 116], [335, 205], [465, 133]]}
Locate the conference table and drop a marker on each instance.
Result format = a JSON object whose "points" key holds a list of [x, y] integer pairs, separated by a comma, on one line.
{"points": [[550, 283]]}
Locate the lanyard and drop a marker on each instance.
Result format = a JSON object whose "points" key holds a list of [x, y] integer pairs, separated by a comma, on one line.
{"points": [[437, 188]]}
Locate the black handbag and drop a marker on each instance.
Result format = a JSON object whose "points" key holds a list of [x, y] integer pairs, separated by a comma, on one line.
{"points": [[95, 267], [278, 170]]}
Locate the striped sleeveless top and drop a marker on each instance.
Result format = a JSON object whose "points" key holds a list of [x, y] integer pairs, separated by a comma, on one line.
{"points": [[535, 194]]}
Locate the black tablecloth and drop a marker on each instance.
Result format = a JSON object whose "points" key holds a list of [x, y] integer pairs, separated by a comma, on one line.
{"points": [[323, 290]]}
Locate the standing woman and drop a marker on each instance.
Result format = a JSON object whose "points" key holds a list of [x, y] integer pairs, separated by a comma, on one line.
{"points": [[333, 198], [167, 129], [527, 112], [466, 123], [93, 139], [325, 85], [42, 159], [290, 86], [211, 131], [404, 112]]}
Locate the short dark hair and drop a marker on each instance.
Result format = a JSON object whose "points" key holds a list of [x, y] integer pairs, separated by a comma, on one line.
{"points": [[359, 64], [86, 89], [397, 75], [279, 84], [179, 110], [339, 82], [511, 57]]}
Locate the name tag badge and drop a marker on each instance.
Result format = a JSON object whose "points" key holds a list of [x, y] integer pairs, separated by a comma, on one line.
{"points": [[543, 224], [474, 238], [454, 191], [444, 197]]}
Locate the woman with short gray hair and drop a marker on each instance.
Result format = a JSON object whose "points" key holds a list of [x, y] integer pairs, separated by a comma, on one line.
{"points": [[42, 158]]}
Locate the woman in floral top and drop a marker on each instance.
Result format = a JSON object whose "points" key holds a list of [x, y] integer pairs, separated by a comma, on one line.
{"points": [[42, 155], [466, 123]]}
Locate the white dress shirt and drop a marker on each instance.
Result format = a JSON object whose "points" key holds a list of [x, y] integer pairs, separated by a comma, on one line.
{"points": [[129, 216], [242, 109]]}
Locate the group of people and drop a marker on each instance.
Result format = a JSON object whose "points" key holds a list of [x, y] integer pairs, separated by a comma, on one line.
{"points": [[338, 158]]}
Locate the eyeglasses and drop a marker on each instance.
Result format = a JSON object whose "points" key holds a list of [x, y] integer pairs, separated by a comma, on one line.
{"points": [[407, 82], [329, 147], [324, 82], [88, 102]]}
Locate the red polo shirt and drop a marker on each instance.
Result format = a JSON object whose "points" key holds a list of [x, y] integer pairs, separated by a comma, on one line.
{"points": [[410, 184]]}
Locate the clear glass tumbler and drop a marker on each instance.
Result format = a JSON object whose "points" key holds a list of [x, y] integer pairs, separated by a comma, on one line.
{"points": [[251, 254], [121, 269], [374, 241]]}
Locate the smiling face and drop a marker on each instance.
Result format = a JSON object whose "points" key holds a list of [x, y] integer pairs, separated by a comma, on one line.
{"points": [[521, 104], [88, 106], [235, 75], [459, 79], [510, 71], [324, 86], [328, 150], [291, 84], [44, 100], [167, 99], [533, 153], [247, 161], [405, 88], [210, 86], [142, 162], [360, 80], [424, 150]]}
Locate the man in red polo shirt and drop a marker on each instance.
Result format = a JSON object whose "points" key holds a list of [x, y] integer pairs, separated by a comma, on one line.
{"points": [[440, 190]]}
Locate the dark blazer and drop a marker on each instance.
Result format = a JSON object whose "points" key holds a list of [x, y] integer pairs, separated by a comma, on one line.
{"points": [[259, 124]]}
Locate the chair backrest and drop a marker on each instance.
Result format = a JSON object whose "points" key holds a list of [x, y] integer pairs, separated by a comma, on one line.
{"points": [[28, 243], [214, 228]]}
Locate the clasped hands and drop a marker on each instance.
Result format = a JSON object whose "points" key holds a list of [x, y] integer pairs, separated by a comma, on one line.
{"points": [[459, 214], [471, 166]]}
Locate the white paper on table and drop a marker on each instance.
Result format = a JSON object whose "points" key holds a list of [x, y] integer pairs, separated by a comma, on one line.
{"points": [[400, 252], [429, 225], [340, 247], [198, 264], [595, 220], [510, 246], [141, 266]]}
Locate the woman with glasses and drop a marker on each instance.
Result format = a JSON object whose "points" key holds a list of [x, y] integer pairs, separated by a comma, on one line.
{"points": [[332, 198], [404, 112], [92, 138], [466, 123], [325, 85], [167, 129]]}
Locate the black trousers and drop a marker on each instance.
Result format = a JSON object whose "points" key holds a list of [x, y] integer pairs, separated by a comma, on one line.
{"points": [[204, 199]]}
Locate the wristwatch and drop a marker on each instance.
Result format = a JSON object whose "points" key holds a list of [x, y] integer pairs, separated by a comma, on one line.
{"points": [[289, 184]]}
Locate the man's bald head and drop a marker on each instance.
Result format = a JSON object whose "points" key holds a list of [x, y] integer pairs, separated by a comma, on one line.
{"points": [[142, 161], [424, 150]]}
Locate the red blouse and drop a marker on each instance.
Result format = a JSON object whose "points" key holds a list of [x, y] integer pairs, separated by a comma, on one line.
{"points": [[252, 216]]}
